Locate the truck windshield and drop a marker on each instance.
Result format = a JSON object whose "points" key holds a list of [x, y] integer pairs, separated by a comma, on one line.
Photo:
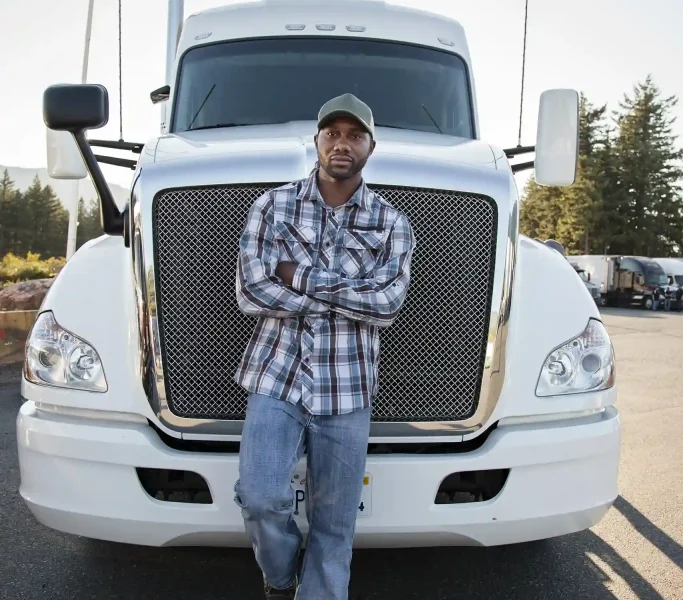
{"points": [[655, 275], [678, 279], [268, 81]]}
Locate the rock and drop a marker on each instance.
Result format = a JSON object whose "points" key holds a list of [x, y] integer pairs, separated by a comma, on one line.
{"points": [[25, 295]]}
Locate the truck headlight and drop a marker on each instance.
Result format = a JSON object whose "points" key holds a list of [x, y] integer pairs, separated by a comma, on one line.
{"points": [[57, 357], [584, 364]]}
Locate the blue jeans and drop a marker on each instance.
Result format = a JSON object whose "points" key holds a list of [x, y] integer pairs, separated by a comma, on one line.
{"points": [[274, 438]]}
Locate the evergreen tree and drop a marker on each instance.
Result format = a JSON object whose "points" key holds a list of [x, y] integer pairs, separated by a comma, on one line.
{"points": [[45, 231], [649, 174], [89, 226], [8, 211]]}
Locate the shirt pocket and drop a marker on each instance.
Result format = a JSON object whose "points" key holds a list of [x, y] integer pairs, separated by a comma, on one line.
{"points": [[297, 242], [360, 251]]}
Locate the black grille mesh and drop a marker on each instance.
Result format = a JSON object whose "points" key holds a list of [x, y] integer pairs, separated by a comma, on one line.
{"points": [[431, 357]]}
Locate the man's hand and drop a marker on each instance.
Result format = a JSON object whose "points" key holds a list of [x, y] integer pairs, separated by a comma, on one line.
{"points": [[285, 271]]}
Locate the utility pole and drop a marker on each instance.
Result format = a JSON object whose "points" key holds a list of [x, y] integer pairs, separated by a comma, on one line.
{"points": [[73, 214]]}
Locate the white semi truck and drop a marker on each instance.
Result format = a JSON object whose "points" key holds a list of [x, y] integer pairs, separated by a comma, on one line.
{"points": [[495, 420]]}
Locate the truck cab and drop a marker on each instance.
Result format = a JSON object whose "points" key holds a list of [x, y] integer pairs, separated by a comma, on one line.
{"points": [[495, 420], [591, 287]]}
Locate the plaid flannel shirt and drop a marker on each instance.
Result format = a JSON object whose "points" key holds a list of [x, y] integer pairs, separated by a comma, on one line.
{"points": [[317, 341]]}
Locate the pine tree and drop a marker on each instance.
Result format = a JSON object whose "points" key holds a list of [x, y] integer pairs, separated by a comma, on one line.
{"points": [[89, 226], [7, 212], [540, 211], [45, 231], [649, 176]]}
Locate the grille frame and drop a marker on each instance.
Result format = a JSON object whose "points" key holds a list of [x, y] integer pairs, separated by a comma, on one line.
{"points": [[463, 421]]}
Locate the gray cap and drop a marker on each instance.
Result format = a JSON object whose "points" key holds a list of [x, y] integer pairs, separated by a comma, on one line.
{"points": [[347, 105]]}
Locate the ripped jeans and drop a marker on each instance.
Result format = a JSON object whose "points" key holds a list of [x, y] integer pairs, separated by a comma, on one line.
{"points": [[274, 438]]}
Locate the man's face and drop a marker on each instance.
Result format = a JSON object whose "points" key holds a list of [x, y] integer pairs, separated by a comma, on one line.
{"points": [[344, 147]]}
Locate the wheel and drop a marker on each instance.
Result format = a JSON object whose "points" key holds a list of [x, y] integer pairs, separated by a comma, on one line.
{"points": [[647, 303]]}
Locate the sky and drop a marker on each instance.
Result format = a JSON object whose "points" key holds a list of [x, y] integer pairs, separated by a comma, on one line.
{"points": [[600, 47]]}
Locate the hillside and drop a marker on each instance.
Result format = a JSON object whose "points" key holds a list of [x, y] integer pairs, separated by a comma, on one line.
{"points": [[23, 178]]}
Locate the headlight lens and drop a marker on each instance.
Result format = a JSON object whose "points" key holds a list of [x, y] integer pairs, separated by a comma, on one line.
{"points": [[584, 364], [57, 357]]}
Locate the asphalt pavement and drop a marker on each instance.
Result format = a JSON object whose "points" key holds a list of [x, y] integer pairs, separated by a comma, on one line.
{"points": [[635, 552]]}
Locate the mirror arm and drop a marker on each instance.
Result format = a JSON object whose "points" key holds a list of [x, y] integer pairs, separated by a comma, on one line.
{"points": [[117, 162], [111, 217], [120, 145], [523, 166], [510, 152]]}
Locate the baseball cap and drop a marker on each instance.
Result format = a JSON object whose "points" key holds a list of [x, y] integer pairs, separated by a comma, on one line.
{"points": [[349, 106]]}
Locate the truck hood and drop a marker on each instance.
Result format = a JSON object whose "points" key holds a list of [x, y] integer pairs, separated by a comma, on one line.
{"points": [[297, 138]]}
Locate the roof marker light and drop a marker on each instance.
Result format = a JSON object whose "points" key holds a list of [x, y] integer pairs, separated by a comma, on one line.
{"points": [[295, 27], [446, 41], [326, 27], [355, 28]]}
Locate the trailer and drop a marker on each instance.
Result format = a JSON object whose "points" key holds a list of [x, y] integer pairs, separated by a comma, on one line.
{"points": [[673, 267]]}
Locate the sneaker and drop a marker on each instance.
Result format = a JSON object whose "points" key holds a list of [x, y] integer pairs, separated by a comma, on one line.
{"points": [[275, 594]]}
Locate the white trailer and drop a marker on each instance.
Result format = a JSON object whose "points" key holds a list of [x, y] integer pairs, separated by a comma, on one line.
{"points": [[495, 421], [673, 267]]}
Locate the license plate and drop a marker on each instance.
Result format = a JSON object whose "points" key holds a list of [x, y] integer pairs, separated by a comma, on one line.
{"points": [[299, 486]]}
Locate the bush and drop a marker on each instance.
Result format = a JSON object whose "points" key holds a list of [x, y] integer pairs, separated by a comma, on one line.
{"points": [[15, 268]]}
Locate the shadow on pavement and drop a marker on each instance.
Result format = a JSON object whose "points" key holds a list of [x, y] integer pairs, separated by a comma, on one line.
{"points": [[666, 544]]}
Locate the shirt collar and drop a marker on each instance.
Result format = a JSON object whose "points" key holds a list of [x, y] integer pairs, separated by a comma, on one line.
{"points": [[362, 197]]}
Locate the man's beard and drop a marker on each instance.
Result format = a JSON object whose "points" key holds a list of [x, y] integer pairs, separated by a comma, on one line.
{"points": [[342, 174]]}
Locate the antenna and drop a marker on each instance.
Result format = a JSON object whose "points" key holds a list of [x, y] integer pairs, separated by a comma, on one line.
{"points": [[521, 100]]}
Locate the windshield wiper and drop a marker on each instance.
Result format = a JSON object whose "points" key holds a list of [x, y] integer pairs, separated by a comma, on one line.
{"points": [[201, 106], [390, 126], [235, 124], [432, 118], [219, 125]]}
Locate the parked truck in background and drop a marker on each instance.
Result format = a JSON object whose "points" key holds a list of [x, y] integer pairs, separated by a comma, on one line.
{"points": [[593, 289], [623, 280], [495, 420], [673, 267]]}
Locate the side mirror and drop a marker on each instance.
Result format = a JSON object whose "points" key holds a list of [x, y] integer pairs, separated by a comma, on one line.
{"points": [[555, 245], [73, 109], [64, 160], [161, 94], [557, 138], [68, 109], [588, 275]]}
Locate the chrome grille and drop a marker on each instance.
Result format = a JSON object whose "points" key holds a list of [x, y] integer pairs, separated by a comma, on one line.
{"points": [[431, 357]]}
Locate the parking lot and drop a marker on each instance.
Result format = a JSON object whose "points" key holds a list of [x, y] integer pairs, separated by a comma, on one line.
{"points": [[635, 552]]}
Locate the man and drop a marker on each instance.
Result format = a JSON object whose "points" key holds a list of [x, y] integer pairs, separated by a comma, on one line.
{"points": [[324, 263]]}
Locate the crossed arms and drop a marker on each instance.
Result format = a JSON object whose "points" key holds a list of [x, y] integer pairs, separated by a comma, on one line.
{"points": [[264, 290]]}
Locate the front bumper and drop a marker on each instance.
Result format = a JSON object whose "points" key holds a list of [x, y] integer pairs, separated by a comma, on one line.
{"points": [[78, 475]]}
